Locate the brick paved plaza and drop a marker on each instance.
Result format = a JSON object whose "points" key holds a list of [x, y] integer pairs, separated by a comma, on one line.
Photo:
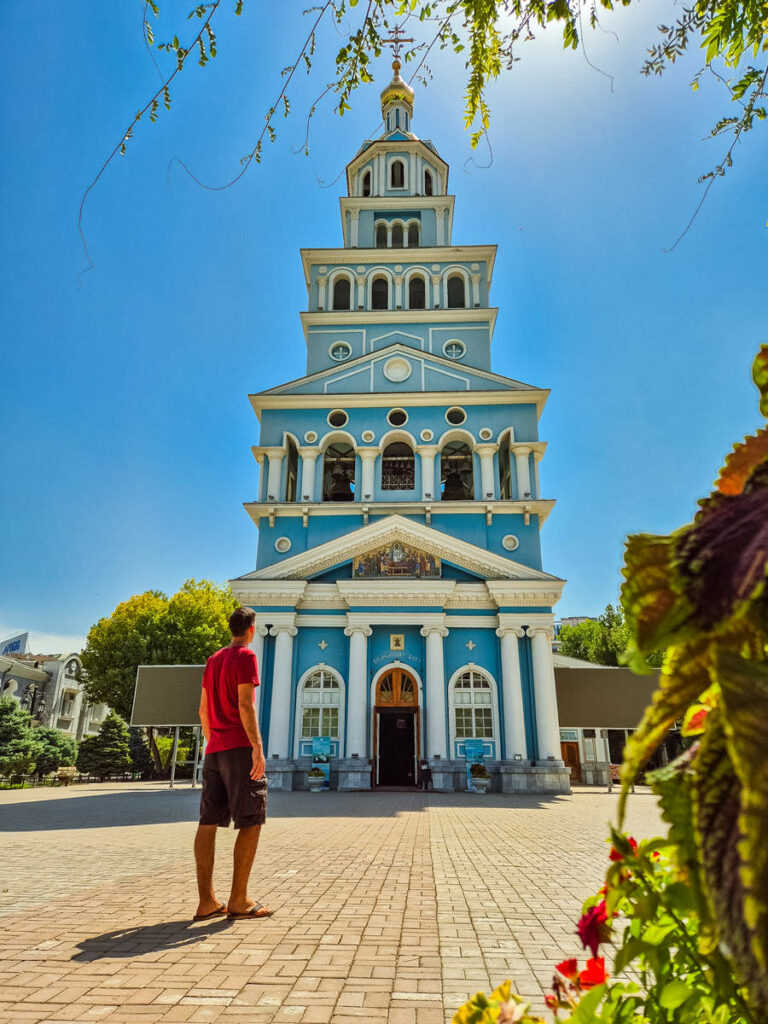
{"points": [[388, 906]]}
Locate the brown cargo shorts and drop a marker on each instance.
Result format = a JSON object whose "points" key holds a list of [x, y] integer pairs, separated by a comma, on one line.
{"points": [[229, 793]]}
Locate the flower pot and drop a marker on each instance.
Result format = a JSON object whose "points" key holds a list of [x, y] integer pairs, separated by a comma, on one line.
{"points": [[481, 785]]}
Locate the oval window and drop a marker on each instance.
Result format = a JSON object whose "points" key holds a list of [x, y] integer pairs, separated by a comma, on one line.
{"points": [[454, 348], [397, 417], [510, 542], [338, 418], [340, 351], [455, 416], [283, 544], [486, 434]]}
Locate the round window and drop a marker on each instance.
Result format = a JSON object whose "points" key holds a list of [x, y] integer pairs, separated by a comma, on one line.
{"points": [[454, 349], [455, 416], [510, 542], [367, 436], [397, 417], [427, 434], [340, 351], [397, 369], [310, 437], [283, 544], [486, 434], [338, 418]]}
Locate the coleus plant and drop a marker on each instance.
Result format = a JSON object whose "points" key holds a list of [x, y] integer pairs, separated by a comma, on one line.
{"points": [[688, 913]]}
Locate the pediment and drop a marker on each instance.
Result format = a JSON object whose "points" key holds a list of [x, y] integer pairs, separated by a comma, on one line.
{"points": [[429, 372], [396, 547]]}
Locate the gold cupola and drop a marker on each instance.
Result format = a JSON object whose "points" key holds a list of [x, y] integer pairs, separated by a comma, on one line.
{"points": [[397, 94]]}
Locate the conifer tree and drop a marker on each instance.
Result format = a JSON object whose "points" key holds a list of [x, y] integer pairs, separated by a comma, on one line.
{"points": [[107, 753]]}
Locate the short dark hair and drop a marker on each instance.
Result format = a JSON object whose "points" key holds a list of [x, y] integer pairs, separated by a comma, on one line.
{"points": [[241, 620]]}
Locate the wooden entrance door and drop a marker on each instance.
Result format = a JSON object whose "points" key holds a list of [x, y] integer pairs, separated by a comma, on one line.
{"points": [[396, 734], [570, 752]]}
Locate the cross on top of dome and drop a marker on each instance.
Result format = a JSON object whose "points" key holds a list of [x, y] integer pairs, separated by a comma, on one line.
{"points": [[398, 90]]}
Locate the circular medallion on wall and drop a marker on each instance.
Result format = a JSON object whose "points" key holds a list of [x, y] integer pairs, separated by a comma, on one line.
{"points": [[454, 349], [398, 268], [310, 437], [283, 544], [397, 369], [486, 433], [340, 350], [360, 269], [455, 416], [435, 267], [368, 436], [397, 417], [338, 418], [322, 270], [510, 542], [427, 434]]}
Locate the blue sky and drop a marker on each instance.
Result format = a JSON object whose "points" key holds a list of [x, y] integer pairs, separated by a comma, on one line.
{"points": [[125, 422]]}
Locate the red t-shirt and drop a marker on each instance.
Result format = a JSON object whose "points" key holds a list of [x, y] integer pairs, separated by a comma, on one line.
{"points": [[224, 671]]}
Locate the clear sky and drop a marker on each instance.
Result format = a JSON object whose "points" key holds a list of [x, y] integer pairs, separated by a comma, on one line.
{"points": [[124, 415]]}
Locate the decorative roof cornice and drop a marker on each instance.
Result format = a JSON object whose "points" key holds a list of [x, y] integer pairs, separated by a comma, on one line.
{"points": [[426, 254], [388, 317], [385, 146], [540, 507]]}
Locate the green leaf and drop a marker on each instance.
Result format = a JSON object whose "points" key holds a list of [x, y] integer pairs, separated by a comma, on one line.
{"points": [[674, 994]]}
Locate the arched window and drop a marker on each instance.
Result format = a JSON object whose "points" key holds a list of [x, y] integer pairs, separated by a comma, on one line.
{"points": [[292, 471], [505, 471], [397, 174], [473, 706], [320, 705], [380, 293], [413, 236], [428, 186], [381, 236], [397, 236], [417, 293], [456, 472], [339, 472], [456, 292], [367, 183], [342, 293], [398, 470]]}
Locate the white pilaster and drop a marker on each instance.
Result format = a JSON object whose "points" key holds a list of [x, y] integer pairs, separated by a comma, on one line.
{"points": [[547, 725], [360, 295], [321, 285], [357, 689], [398, 292], [440, 226], [487, 482], [274, 474], [537, 457], [512, 687], [355, 225], [308, 460], [257, 646], [436, 738], [523, 472], [435, 279], [475, 289], [428, 453], [368, 459], [282, 674]]}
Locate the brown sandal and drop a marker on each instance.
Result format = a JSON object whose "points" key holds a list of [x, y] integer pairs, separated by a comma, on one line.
{"points": [[257, 910], [220, 912]]}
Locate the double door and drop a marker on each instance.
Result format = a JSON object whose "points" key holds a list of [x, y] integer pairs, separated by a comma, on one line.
{"points": [[396, 729]]}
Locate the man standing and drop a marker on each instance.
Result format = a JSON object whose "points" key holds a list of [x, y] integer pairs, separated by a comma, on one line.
{"points": [[234, 784]]}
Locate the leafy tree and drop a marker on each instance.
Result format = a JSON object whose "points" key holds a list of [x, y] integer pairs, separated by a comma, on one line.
{"points": [[603, 641], [56, 750], [141, 756], [487, 35], [107, 753], [19, 749], [15, 722]]}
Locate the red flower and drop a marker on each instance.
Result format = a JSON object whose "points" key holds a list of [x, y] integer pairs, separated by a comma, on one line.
{"points": [[592, 928], [569, 969], [551, 1002], [615, 855], [594, 974]]}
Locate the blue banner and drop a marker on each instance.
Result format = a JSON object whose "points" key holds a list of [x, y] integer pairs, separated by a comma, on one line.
{"points": [[321, 757]]}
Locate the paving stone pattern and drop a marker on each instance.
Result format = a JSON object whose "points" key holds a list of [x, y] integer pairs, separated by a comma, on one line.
{"points": [[388, 906]]}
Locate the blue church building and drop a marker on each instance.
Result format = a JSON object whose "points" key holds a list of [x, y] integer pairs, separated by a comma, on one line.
{"points": [[401, 605]]}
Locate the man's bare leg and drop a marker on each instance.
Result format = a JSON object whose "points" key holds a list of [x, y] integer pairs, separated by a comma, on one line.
{"points": [[245, 850], [205, 848]]}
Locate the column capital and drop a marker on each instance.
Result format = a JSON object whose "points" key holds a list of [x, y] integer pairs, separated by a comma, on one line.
{"points": [[283, 628], [364, 630], [517, 631], [309, 452], [441, 631], [322, 281], [521, 449], [486, 448], [262, 631], [368, 453], [547, 631], [538, 454], [273, 451], [427, 449]]}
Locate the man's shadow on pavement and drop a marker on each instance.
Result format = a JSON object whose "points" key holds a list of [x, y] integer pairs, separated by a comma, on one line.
{"points": [[151, 938]]}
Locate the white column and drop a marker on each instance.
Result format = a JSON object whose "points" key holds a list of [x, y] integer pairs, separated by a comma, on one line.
{"points": [[435, 290], [512, 686], [321, 283], [475, 289], [428, 453], [368, 459], [357, 690], [440, 226], [355, 215], [537, 457], [360, 296], [547, 725], [262, 489], [282, 674], [487, 482], [436, 738], [257, 646], [523, 472], [308, 458], [398, 292], [274, 474]]}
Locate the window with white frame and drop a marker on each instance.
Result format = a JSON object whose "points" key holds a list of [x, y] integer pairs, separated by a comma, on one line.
{"points": [[320, 702], [68, 705], [473, 706]]}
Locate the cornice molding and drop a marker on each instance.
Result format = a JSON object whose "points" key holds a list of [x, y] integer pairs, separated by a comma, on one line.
{"points": [[536, 506], [343, 257], [387, 317]]}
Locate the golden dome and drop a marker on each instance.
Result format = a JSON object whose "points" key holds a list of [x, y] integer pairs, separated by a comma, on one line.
{"points": [[397, 89]]}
